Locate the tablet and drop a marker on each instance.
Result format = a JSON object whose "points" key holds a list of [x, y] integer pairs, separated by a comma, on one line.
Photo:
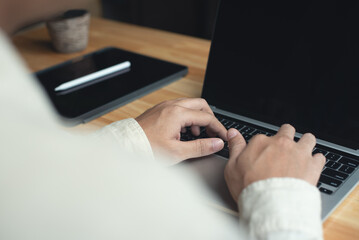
{"points": [[87, 87]]}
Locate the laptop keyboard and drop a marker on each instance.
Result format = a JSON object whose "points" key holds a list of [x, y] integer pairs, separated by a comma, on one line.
{"points": [[339, 166]]}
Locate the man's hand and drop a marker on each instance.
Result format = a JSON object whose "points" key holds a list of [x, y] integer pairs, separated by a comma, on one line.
{"points": [[164, 122], [269, 157]]}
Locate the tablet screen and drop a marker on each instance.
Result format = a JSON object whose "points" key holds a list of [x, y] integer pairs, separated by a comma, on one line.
{"points": [[109, 90]]}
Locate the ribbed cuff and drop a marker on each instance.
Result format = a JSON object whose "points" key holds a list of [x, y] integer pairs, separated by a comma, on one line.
{"points": [[281, 204]]}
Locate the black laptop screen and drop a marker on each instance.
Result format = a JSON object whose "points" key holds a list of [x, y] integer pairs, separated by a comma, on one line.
{"points": [[289, 62]]}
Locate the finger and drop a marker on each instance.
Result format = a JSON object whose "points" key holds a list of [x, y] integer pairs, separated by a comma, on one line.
{"points": [[195, 130], [307, 141], [195, 103], [319, 160], [191, 117], [286, 130], [200, 147], [236, 143], [316, 168]]}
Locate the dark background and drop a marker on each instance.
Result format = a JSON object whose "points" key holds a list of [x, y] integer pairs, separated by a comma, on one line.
{"points": [[191, 17]]}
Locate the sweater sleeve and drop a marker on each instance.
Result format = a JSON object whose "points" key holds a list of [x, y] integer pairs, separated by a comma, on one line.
{"points": [[281, 208], [129, 135]]}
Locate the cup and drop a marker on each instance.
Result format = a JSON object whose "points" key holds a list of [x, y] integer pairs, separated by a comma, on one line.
{"points": [[69, 32]]}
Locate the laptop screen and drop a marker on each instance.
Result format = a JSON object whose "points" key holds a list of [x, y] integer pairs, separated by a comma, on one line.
{"points": [[291, 62]]}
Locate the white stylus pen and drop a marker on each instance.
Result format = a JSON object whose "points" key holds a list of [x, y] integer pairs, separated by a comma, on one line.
{"points": [[92, 76]]}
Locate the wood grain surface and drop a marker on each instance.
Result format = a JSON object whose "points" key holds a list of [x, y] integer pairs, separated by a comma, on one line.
{"points": [[35, 47]]}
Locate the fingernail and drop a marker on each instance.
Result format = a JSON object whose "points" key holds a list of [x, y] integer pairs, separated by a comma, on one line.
{"points": [[232, 133], [217, 144]]}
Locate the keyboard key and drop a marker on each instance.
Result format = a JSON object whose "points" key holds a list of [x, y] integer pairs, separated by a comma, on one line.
{"points": [[184, 137], [332, 156], [230, 125], [247, 130], [256, 132], [224, 122], [227, 124], [346, 169], [324, 190], [335, 174], [319, 184], [238, 126], [330, 181], [318, 150], [349, 161], [333, 165]]}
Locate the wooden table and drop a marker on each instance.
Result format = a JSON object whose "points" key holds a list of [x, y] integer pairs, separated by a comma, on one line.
{"points": [[35, 47]]}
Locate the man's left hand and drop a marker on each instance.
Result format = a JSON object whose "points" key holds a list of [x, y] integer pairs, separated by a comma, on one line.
{"points": [[164, 123]]}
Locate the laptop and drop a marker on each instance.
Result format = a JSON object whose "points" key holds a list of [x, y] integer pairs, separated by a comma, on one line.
{"points": [[297, 62]]}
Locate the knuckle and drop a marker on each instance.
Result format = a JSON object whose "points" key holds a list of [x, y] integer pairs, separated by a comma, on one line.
{"points": [[284, 141], [203, 101], [310, 138], [287, 125], [309, 135]]}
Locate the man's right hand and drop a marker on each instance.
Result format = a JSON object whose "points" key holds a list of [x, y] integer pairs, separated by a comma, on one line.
{"points": [[270, 157]]}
